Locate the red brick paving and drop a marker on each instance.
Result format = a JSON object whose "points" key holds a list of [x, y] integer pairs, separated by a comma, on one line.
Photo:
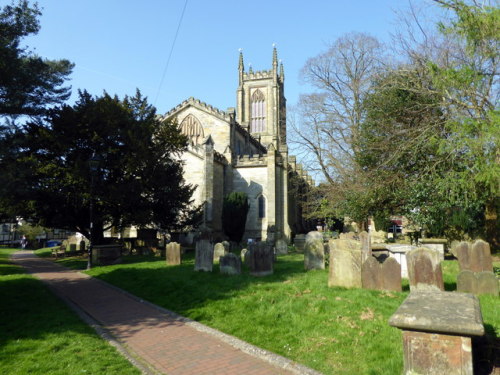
{"points": [[165, 342]]}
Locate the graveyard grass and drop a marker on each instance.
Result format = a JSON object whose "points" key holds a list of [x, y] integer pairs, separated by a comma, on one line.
{"points": [[39, 334], [292, 313]]}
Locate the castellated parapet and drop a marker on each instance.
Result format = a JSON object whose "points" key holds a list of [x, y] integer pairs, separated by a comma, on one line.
{"points": [[243, 161]]}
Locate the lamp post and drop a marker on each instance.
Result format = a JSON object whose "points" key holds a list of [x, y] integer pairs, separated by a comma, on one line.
{"points": [[94, 162]]}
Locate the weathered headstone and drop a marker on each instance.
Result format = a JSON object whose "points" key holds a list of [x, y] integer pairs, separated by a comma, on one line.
{"points": [[230, 264], [227, 246], [261, 259], [245, 257], [366, 246], [487, 283], [424, 270], [314, 252], [477, 283], [219, 251], [391, 275], [475, 257], [381, 276], [370, 274], [173, 253], [300, 242], [72, 247], [345, 263], [204, 256], [281, 247]]}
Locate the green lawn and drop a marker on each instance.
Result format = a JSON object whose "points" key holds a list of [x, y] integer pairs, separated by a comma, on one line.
{"points": [[39, 334], [292, 313]]}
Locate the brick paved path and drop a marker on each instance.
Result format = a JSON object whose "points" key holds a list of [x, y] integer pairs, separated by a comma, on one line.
{"points": [[166, 342]]}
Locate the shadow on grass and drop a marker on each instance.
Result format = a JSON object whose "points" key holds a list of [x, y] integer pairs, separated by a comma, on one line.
{"points": [[486, 352]]}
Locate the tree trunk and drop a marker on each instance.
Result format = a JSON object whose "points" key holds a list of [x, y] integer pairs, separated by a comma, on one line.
{"points": [[492, 226]]}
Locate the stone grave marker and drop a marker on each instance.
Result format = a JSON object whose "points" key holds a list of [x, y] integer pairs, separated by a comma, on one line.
{"points": [[219, 251], [314, 252], [204, 256], [261, 259], [475, 257], [173, 253], [227, 246], [424, 270], [245, 256], [230, 264], [281, 247], [477, 283], [370, 274], [300, 242], [391, 275], [345, 263]]}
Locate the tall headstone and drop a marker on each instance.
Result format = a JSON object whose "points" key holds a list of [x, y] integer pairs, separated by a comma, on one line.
{"points": [[245, 257], [391, 275], [204, 256], [219, 251], [173, 253], [424, 270], [281, 247], [345, 263], [370, 274], [314, 252], [261, 259], [230, 264]]}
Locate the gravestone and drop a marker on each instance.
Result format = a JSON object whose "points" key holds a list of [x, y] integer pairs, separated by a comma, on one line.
{"points": [[227, 246], [453, 248], [437, 328], [314, 252], [391, 275], [300, 242], [345, 263], [475, 257], [424, 270], [370, 274], [72, 247], [173, 253], [82, 246], [204, 256], [477, 283], [381, 276], [281, 247], [366, 248], [261, 259], [219, 251], [245, 257], [230, 264]]}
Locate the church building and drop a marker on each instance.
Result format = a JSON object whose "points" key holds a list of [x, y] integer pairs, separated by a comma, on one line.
{"points": [[245, 150]]}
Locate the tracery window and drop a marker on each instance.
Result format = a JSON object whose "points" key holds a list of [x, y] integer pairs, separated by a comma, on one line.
{"points": [[192, 128], [258, 112], [262, 206]]}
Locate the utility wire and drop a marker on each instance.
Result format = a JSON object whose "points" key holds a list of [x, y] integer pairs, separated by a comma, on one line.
{"points": [[171, 51]]}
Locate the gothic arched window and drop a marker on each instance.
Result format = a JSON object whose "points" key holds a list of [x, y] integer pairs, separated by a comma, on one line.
{"points": [[262, 206], [192, 128], [258, 112]]}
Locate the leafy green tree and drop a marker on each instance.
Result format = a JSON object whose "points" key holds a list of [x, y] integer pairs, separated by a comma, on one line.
{"points": [[138, 182], [28, 83], [234, 215]]}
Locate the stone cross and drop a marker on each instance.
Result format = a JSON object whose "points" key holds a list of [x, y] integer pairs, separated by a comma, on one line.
{"points": [[230, 264], [345, 263], [204, 256], [424, 270], [173, 253], [261, 259], [314, 252]]}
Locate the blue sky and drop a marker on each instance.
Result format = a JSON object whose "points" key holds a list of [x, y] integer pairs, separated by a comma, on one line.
{"points": [[121, 45]]}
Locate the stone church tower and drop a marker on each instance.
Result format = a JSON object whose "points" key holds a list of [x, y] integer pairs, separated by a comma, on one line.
{"points": [[243, 150]]}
